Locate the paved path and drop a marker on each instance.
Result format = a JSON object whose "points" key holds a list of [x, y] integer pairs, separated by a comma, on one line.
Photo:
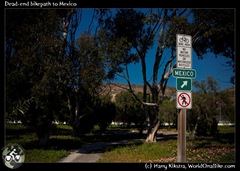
{"points": [[91, 152]]}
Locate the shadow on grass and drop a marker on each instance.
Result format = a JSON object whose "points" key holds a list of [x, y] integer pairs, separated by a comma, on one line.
{"points": [[222, 139], [63, 139], [17, 132], [166, 137]]}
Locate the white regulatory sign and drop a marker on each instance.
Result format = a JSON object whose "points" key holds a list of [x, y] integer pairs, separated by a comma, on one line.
{"points": [[184, 40], [184, 57], [184, 51]]}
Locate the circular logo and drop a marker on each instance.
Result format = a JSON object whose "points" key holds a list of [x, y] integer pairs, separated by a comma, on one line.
{"points": [[13, 156]]}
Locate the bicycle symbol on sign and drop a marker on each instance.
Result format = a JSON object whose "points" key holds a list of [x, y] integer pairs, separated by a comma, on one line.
{"points": [[183, 39]]}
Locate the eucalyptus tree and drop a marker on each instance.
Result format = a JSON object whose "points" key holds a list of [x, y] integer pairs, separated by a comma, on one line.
{"points": [[86, 68], [129, 34], [87, 75], [33, 49], [141, 30]]}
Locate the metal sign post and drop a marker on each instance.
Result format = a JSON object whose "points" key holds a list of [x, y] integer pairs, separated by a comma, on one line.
{"points": [[181, 150], [184, 73]]}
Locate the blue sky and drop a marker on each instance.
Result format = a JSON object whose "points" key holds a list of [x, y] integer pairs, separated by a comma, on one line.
{"points": [[208, 66]]}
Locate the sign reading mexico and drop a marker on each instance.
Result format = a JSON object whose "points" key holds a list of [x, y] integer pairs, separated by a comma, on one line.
{"points": [[186, 73]]}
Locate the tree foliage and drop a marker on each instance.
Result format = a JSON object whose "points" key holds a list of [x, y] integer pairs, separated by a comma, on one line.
{"points": [[31, 55], [209, 104], [129, 110], [168, 111], [214, 30]]}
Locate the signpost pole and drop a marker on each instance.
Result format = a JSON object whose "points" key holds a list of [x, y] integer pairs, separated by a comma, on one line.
{"points": [[184, 99], [181, 151]]}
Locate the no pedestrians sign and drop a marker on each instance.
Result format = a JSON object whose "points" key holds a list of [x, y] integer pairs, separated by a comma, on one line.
{"points": [[184, 100]]}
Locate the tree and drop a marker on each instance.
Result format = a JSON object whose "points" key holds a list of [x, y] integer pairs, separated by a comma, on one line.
{"points": [[86, 67], [168, 111], [49, 71], [226, 105], [32, 50], [214, 30], [143, 29], [106, 112], [129, 110], [204, 113]]}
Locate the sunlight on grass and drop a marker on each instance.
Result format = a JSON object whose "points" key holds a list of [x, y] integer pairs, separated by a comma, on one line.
{"points": [[45, 156], [166, 151], [145, 152]]}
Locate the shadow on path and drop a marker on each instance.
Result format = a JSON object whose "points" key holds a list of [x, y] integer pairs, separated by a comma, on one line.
{"points": [[91, 152]]}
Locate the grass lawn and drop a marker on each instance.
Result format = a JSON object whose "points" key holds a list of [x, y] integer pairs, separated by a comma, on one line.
{"points": [[203, 149]]}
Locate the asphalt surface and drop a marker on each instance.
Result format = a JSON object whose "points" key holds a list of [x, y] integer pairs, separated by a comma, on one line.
{"points": [[91, 152]]}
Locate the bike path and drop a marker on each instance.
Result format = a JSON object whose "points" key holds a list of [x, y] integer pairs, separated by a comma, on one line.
{"points": [[91, 152]]}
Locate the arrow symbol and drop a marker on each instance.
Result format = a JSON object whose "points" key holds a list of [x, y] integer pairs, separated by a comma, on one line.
{"points": [[184, 84]]}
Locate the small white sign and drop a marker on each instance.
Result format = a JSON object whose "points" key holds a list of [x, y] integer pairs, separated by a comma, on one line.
{"points": [[184, 100], [184, 57], [184, 40]]}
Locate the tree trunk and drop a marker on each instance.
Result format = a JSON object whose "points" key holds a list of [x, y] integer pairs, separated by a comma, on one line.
{"points": [[74, 110], [43, 139], [152, 135]]}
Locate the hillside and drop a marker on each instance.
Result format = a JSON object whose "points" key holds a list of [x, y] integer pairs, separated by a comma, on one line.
{"points": [[115, 88]]}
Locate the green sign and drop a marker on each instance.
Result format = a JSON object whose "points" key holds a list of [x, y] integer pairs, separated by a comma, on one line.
{"points": [[184, 84], [184, 73]]}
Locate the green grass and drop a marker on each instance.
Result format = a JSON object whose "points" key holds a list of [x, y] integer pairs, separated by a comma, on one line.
{"points": [[166, 151], [142, 152], [220, 148], [44, 156], [61, 142]]}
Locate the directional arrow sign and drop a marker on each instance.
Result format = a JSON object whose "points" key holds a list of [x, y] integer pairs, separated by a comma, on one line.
{"points": [[184, 73], [184, 84]]}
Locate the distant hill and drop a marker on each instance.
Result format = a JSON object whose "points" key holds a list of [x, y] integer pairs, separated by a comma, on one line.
{"points": [[115, 88], [231, 90]]}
